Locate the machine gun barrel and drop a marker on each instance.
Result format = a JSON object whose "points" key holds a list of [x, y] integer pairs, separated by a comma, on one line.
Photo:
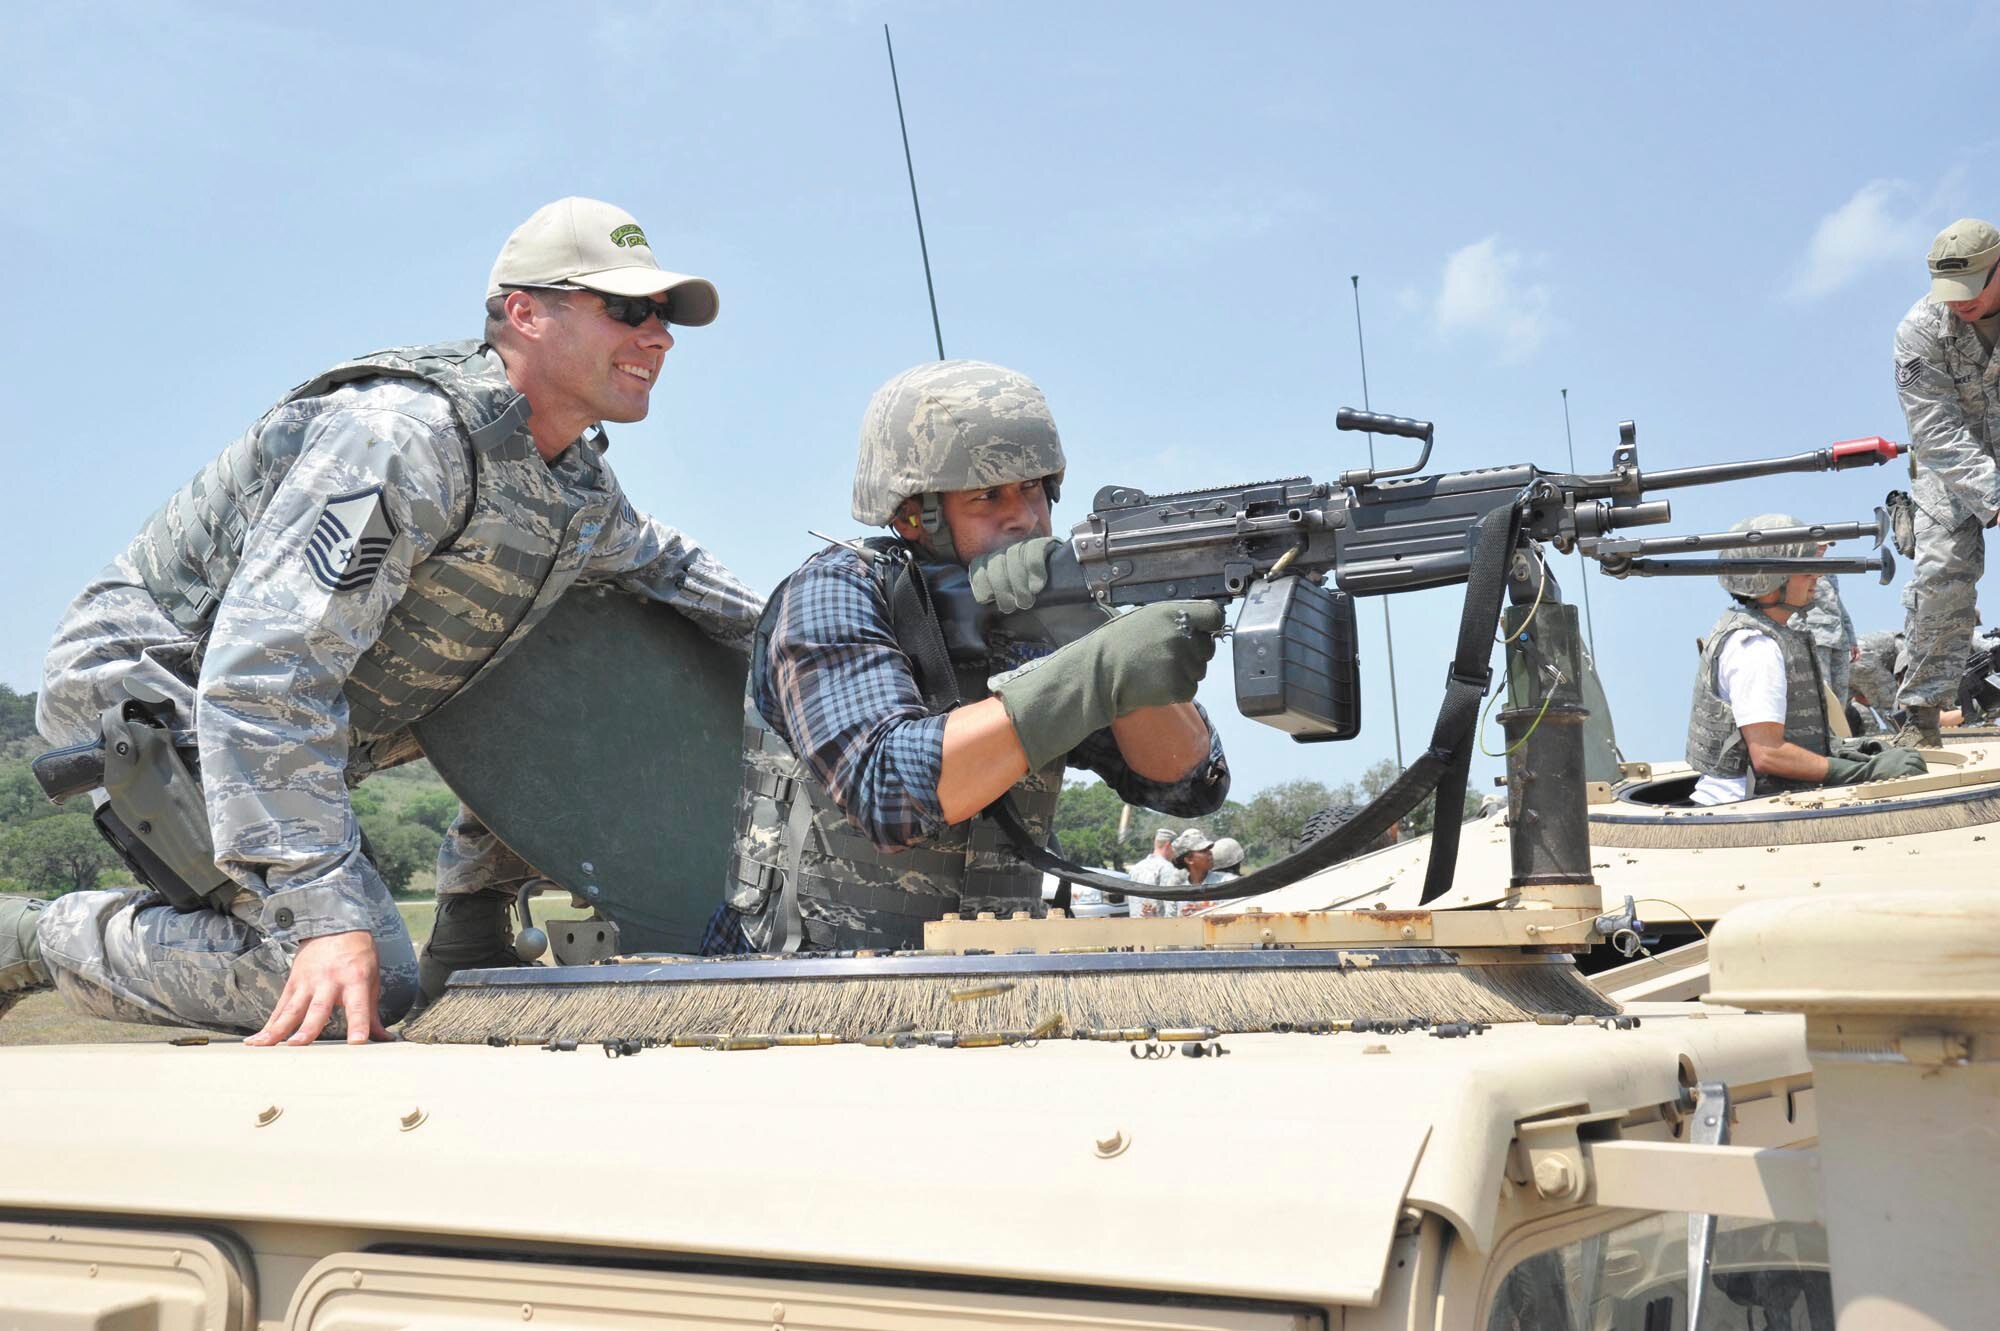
{"points": [[1866, 452]]}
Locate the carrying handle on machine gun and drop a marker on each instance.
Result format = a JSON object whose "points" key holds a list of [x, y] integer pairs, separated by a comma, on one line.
{"points": [[1347, 418]]}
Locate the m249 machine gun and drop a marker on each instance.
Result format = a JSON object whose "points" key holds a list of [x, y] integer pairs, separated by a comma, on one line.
{"points": [[1297, 551]]}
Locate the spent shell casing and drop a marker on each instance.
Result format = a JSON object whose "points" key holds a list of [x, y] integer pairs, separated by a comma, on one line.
{"points": [[989, 1039], [987, 989]]}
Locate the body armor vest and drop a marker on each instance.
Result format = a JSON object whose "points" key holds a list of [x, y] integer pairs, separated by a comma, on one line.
{"points": [[1715, 744], [528, 531], [803, 877]]}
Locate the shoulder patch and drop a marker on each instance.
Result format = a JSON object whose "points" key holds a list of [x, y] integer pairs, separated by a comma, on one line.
{"points": [[350, 541], [1907, 371]]}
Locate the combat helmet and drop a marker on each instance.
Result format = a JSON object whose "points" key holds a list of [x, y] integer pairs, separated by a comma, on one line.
{"points": [[1750, 586], [1874, 671], [951, 425]]}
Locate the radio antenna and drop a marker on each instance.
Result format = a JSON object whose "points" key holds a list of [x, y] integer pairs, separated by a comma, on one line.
{"points": [[1583, 579], [1388, 633], [916, 207]]}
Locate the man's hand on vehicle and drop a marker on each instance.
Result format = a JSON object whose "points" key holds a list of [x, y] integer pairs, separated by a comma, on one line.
{"points": [[329, 972]]}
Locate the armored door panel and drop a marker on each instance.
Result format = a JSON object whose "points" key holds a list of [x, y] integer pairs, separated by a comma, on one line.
{"points": [[604, 751]]}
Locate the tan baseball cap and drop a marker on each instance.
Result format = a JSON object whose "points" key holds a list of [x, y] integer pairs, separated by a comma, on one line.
{"points": [[589, 243], [1961, 257]]}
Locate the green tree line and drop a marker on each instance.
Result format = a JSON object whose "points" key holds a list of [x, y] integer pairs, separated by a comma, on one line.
{"points": [[1269, 823]]}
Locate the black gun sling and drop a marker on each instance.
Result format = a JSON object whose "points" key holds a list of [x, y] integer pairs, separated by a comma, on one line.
{"points": [[1443, 767]]}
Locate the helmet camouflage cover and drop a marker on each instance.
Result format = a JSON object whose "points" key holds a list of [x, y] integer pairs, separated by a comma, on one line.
{"points": [[1761, 584], [951, 425], [1874, 671]]}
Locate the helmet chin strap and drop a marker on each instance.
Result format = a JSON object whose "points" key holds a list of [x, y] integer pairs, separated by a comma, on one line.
{"points": [[937, 532], [929, 520]]}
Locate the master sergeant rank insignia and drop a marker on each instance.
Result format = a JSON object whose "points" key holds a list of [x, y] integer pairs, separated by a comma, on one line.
{"points": [[350, 541]]}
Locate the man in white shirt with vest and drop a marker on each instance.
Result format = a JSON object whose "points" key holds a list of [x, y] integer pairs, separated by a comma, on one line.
{"points": [[1758, 723]]}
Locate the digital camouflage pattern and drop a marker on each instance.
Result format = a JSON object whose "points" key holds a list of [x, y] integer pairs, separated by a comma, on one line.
{"points": [[300, 683], [1154, 871], [848, 892], [472, 859], [1762, 584], [123, 954], [1715, 745], [1827, 622], [1949, 385], [1874, 673], [951, 425]]}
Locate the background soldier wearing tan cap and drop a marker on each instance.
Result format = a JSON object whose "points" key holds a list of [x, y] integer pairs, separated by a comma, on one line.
{"points": [[1949, 383], [377, 538]]}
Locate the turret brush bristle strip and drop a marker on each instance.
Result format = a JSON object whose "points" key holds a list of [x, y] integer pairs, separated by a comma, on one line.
{"points": [[1796, 827], [1233, 998]]}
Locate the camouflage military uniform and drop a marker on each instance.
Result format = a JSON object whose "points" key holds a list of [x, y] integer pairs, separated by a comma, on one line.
{"points": [[1949, 384], [1874, 677], [371, 544], [1832, 632], [1154, 871]]}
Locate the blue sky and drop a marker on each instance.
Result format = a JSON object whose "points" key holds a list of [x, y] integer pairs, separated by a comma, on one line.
{"points": [[1705, 219]]}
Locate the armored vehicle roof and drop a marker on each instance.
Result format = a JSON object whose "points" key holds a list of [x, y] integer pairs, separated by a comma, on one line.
{"points": [[1943, 825], [1277, 1171]]}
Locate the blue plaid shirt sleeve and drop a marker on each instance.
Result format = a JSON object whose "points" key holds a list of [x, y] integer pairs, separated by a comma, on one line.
{"points": [[842, 693], [1201, 791]]}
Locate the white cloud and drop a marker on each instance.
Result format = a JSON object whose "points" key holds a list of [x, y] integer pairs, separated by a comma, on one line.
{"points": [[1483, 294], [1883, 223]]}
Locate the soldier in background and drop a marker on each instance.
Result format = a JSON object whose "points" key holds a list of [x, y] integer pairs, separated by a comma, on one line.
{"points": [[871, 753], [1881, 658], [1949, 384], [1875, 679], [374, 540], [1826, 621], [1156, 870], [1224, 859], [1757, 724]]}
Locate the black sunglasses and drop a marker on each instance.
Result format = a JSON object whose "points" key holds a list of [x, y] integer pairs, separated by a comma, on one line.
{"points": [[632, 311], [635, 310]]}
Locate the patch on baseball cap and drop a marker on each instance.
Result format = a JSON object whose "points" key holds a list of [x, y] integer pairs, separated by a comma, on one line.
{"points": [[589, 243], [1960, 259]]}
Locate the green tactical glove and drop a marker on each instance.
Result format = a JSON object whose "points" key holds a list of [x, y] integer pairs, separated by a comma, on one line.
{"points": [[1151, 657], [1881, 767], [1009, 579]]}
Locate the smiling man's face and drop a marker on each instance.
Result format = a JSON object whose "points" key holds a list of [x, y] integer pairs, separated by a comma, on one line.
{"points": [[600, 369]]}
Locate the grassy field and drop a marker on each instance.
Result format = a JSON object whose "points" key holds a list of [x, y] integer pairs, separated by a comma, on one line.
{"points": [[46, 1019]]}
